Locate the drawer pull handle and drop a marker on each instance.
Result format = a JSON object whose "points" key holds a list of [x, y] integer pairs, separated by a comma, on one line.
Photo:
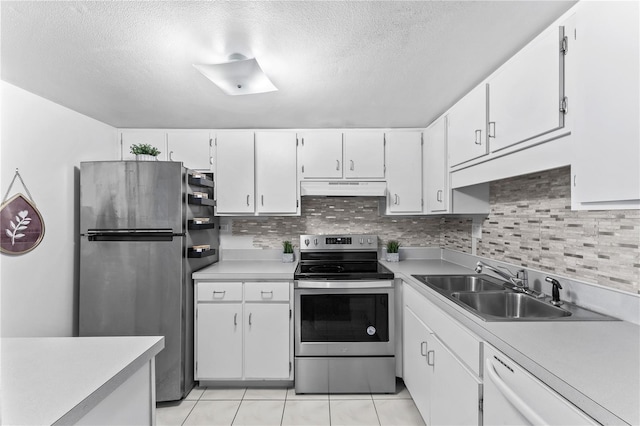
{"points": [[221, 293], [250, 319], [423, 348], [267, 294], [235, 319]]}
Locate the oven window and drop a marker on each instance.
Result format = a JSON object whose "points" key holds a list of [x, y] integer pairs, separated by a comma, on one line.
{"points": [[344, 318]]}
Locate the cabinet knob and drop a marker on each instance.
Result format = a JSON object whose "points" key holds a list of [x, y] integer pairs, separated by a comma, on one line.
{"points": [[352, 166], [337, 164], [247, 200], [478, 137], [492, 129]]}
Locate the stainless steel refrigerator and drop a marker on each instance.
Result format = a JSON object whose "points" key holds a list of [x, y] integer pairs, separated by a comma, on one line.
{"points": [[139, 222]]}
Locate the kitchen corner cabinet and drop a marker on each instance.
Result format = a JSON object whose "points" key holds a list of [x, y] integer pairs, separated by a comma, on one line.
{"points": [[526, 94], [440, 364], [404, 172], [436, 176], [243, 331], [234, 173], [156, 138], [467, 124], [320, 155], [364, 155], [606, 74], [192, 148]]}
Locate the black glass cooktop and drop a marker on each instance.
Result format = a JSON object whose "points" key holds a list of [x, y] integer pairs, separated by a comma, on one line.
{"points": [[331, 270]]}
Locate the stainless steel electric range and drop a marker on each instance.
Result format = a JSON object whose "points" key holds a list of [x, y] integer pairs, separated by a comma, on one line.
{"points": [[344, 321]]}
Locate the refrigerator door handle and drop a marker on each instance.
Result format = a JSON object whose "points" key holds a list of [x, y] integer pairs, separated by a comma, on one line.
{"points": [[130, 235]]}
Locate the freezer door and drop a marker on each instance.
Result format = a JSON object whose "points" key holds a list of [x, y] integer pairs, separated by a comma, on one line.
{"points": [[131, 195], [131, 288]]}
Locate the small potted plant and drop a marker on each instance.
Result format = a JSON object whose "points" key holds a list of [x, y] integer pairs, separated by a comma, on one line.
{"points": [[393, 248], [287, 252], [145, 152]]}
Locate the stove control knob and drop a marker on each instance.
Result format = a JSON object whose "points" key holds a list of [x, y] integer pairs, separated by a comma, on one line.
{"points": [[361, 240], [371, 330], [315, 241], [306, 242], [368, 240]]}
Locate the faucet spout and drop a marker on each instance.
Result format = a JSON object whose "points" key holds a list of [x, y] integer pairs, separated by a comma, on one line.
{"points": [[519, 279]]}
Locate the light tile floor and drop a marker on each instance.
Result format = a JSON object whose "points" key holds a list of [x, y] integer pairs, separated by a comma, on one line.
{"points": [[280, 406]]}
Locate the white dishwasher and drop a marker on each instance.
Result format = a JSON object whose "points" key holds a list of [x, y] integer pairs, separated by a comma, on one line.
{"points": [[512, 396]]}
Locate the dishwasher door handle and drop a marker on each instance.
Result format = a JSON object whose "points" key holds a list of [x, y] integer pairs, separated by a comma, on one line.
{"points": [[520, 404]]}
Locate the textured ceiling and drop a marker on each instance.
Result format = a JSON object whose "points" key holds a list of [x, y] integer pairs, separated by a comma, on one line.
{"points": [[336, 63]]}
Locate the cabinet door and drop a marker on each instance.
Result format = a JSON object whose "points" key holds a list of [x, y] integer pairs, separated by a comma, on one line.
{"points": [[320, 155], [607, 103], [364, 155], [219, 341], [467, 121], [192, 148], [436, 178], [276, 172], [416, 372], [156, 138], [404, 172], [525, 95], [455, 394], [266, 341], [234, 172]]}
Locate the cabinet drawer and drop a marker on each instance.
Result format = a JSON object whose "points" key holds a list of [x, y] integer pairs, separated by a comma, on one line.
{"points": [[465, 345], [219, 291], [266, 292]]}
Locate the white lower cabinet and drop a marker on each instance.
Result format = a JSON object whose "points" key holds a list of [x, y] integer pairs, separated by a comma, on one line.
{"points": [[266, 341], [219, 341], [243, 331], [445, 390]]}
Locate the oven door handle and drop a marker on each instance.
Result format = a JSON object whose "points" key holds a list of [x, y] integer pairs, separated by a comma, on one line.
{"points": [[344, 284]]}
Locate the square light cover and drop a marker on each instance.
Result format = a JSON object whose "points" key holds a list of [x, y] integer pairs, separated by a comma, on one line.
{"points": [[241, 77]]}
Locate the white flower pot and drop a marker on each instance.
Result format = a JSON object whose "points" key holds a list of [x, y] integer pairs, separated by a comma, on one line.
{"points": [[146, 157], [393, 257], [287, 257]]}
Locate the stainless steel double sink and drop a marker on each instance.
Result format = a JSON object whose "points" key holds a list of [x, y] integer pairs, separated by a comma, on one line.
{"points": [[494, 300]]}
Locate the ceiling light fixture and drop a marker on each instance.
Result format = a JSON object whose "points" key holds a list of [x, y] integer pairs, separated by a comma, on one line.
{"points": [[239, 76]]}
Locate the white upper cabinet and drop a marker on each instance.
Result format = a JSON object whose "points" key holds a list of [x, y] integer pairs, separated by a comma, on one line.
{"points": [[467, 127], [192, 148], [364, 155], [275, 160], [526, 94], [436, 177], [234, 175], [404, 172], [606, 134], [156, 138], [320, 155]]}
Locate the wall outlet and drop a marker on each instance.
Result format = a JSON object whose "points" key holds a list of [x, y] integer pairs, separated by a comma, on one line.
{"points": [[476, 230], [224, 227]]}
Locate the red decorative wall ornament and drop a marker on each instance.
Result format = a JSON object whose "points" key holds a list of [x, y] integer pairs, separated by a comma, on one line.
{"points": [[21, 224]]}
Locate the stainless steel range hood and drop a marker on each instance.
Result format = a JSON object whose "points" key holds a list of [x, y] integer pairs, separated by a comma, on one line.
{"points": [[343, 188]]}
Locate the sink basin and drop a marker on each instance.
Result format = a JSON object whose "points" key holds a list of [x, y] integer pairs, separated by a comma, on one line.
{"points": [[449, 284], [510, 305]]}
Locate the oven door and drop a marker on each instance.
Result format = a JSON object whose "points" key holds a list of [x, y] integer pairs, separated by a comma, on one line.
{"points": [[354, 319]]}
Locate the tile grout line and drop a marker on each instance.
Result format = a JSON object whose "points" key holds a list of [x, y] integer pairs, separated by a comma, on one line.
{"points": [[376, 410]]}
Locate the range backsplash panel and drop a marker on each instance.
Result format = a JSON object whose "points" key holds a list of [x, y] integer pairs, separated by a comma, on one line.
{"points": [[530, 224], [340, 215]]}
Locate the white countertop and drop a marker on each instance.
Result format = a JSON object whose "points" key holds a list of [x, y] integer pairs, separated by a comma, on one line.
{"points": [[247, 270], [60, 379], [594, 364]]}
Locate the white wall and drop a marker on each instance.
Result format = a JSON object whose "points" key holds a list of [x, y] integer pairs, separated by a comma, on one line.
{"points": [[46, 142]]}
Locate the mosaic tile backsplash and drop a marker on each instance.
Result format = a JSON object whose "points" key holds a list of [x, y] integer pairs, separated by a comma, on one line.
{"points": [[530, 224]]}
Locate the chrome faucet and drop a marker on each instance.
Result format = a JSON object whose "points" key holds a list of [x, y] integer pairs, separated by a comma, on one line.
{"points": [[519, 280]]}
